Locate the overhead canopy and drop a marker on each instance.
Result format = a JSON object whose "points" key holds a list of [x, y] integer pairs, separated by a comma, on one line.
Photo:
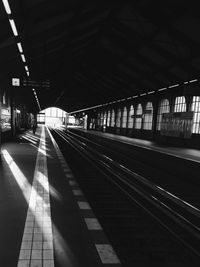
{"points": [[94, 52]]}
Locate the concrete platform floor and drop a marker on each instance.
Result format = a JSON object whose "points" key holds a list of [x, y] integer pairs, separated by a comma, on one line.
{"points": [[45, 219]]}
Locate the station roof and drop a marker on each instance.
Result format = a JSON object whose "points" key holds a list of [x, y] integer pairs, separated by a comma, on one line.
{"points": [[95, 52]]}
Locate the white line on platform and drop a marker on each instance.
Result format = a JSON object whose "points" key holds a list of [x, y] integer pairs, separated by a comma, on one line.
{"points": [[37, 243], [107, 254], [77, 192], [83, 205], [69, 176], [105, 251], [72, 183], [93, 224]]}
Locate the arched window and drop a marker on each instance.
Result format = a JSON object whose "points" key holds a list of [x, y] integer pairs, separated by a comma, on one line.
{"points": [[48, 112], [104, 118], [124, 117], [138, 119], [101, 118], [130, 117], [162, 108], [195, 107], [180, 105], [148, 116], [108, 118], [118, 119], [112, 118], [53, 112]]}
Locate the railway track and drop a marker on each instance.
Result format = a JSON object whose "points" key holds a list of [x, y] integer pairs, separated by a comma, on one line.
{"points": [[177, 175], [137, 215]]}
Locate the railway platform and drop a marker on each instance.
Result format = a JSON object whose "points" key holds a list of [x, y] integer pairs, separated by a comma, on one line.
{"points": [[175, 151], [45, 218]]}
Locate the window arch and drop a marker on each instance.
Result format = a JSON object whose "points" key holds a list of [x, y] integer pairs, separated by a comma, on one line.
{"points": [[118, 118], [112, 122], [180, 104], [108, 118], [130, 117], [101, 118], [104, 118], [148, 116], [138, 119], [163, 107], [195, 107], [124, 117]]}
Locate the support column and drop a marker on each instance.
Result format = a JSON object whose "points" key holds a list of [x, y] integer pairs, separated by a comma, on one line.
{"points": [[12, 111], [155, 115]]}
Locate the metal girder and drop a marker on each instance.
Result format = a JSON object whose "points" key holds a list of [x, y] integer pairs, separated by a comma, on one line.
{"points": [[134, 51]]}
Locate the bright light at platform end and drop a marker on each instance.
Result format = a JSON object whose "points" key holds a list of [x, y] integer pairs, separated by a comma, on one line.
{"points": [[54, 117]]}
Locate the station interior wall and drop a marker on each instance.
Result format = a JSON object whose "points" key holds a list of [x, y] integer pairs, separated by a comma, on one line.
{"points": [[141, 117]]}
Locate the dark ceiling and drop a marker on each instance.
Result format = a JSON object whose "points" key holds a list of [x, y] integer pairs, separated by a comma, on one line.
{"points": [[94, 52]]}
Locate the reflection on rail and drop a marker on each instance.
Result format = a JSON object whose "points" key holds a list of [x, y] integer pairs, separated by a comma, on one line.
{"points": [[179, 217]]}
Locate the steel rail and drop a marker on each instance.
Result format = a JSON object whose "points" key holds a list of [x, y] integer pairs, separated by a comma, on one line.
{"points": [[182, 203], [150, 197]]}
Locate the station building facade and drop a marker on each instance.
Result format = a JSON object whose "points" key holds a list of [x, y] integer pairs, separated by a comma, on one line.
{"points": [[169, 115]]}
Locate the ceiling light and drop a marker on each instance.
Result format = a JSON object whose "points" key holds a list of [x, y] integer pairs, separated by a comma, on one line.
{"points": [[7, 6], [26, 68], [20, 47], [175, 85], [23, 58], [192, 81], [14, 29], [161, 89]]}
